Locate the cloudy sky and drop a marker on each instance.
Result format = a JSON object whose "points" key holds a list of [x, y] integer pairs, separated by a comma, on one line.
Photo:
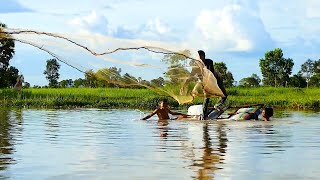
{"points": [[237, 32]]}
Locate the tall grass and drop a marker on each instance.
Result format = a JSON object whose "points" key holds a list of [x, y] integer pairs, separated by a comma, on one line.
{"points": [[293, 98]]}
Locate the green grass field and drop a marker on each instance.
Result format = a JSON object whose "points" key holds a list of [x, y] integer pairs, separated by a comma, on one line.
{"points": [[292, 98]]}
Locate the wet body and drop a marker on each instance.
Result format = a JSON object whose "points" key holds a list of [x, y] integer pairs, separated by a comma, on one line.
{"points": [[163, 112]]}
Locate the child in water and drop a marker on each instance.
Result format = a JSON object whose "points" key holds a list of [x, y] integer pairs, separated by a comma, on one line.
{"points": [[163, 112]]}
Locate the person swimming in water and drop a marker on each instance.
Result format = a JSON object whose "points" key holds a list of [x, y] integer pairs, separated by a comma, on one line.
{"points": [[250, 113], [163, 112]]}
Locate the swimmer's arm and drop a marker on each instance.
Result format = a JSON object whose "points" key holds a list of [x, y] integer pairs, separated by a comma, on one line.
{"points": [[150, 115], [176, 113]]}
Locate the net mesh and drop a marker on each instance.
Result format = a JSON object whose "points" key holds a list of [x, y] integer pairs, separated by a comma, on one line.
{"points": [[167, 69]]}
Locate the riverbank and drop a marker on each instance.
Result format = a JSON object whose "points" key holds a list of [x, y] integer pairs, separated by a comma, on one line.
{"points": [[290, 98]]}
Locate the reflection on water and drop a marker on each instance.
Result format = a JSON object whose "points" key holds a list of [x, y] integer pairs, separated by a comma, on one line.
{"points": [[5, 141], [211, 156], [10, 131], [163, 128], [52, 124], [114, 144]]}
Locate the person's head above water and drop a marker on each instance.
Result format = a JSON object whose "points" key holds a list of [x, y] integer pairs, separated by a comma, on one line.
{"points": [[267, 113], [202, 54], [163, 103]]}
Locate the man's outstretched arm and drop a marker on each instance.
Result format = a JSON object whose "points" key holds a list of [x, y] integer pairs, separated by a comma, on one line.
{"points": [[150, 115]]}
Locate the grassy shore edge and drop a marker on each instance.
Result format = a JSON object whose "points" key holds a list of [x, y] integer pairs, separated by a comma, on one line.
{"points": [[115, 98]]}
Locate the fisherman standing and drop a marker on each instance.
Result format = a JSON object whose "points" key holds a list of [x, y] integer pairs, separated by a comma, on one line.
{"points": [[18, 85], [209, 65]]}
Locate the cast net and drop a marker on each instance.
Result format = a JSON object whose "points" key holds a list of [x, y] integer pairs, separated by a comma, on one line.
{"points": [[167, 69]]}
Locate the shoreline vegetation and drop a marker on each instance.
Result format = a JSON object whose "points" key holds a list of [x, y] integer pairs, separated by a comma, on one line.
{"points": [[122, 98]]}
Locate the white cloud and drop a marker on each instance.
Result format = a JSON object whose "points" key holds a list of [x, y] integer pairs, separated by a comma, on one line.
{"points": [[153, 29], [231, 30], [156, 25], [234, 28], [93, 22], [295, 27]]}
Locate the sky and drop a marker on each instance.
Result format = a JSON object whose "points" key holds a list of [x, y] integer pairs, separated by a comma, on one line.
{"points": [[237, 32]]}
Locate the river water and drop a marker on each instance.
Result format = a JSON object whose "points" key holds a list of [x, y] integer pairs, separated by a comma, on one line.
{"points": [[115, 144]]}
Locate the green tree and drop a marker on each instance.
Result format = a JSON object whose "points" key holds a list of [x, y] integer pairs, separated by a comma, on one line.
{"points": [[90, 79], [145, 82], [36, 87], [175, 72], [79, 83], [177, 58], [315, 81], [297, 81], [109, 77], [66, 83], [222, 70], [11, 76], [228, 80], [63, 83], [307, 70], [176, 68], [6, 47], [52, 72], [316, 66], [159, 82], [129, 80], [275, 68], [6, 54], [26, 85], [252, 81]]}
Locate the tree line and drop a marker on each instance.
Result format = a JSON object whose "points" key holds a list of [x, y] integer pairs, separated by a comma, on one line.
{"points": [[276, 71], [107, 77]]}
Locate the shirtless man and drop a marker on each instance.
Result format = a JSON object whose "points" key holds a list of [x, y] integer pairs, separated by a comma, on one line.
{"points": [[208, 63], [163, 112]]}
